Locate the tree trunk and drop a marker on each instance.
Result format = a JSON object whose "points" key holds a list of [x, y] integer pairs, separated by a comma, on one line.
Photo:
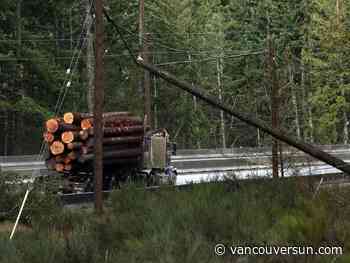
{"points": [[294, 99], [219, 68], [257, 130], [198, 140], [71, 28], [345, 119], [311, 124], [272, 72], [155, 95], [6, 131]]}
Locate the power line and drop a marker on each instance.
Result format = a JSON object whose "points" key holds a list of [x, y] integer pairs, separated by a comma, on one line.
{"points": [[73, 64], [209, 59]]}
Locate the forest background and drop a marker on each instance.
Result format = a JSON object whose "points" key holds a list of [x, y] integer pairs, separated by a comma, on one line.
{"points": [[221, 45]]}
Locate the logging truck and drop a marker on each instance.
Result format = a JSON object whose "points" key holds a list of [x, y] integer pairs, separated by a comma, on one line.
{"points": [[131, 151]]}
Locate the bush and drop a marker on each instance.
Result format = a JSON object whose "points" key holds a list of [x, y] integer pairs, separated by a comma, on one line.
{"points": [[172, 225]]}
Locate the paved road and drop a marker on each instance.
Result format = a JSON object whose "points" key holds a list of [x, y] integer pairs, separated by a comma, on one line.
{"points": [[206, 165]]}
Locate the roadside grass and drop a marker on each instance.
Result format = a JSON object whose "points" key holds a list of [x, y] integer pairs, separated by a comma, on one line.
{"points": [[172, 225]]}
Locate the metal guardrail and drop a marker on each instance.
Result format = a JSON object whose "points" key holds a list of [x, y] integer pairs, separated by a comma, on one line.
{"points": [[19, 158], [247, 150], [187, 159], [187, 152]]}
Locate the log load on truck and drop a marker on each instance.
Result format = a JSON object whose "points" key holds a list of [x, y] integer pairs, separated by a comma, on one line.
{"points": [[131, 151]]}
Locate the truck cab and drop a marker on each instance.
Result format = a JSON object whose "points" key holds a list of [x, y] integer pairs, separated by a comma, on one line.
{"points": [[157, 158]]}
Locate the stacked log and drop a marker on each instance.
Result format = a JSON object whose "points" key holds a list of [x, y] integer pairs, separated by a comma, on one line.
{"points": [[71, 140]]}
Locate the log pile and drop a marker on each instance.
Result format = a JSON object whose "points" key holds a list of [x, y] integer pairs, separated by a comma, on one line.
{"points": [[71, 140]]}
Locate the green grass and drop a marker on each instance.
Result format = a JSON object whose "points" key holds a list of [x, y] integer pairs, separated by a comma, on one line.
{"points": [[183, 226]]}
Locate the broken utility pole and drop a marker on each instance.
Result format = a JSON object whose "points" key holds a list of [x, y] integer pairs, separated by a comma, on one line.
{"points": [[144, 42], [201, 94], [277, 134], [98, 106], [274, 103]]}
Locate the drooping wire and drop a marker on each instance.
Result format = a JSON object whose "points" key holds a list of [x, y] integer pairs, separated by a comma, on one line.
{"points": [[74, 62], [57, 109], [121, 35]]}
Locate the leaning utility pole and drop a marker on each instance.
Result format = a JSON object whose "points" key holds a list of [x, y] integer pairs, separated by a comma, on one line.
{"points": [[276, 133], [144, 42], [202, 94], [274, 103], [98, 105]]}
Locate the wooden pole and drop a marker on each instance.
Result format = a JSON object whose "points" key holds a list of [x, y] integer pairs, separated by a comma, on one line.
{"points": [[201, 94], [274, 103], [278, 134], [144, 42], [98, 106]]}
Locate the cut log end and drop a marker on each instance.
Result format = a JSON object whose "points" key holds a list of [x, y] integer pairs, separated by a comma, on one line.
{"points": [[72, 155], [52, 125], [67, 160], [67, 137], [74, 145], [59, 167], [57, 148], [68, 167], [86, 124], [48, 137], [84, 135], [68, 117]]}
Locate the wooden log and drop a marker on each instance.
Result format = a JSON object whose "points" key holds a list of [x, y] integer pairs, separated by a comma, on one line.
{"points": [[59, 158], [89, 148], [84, 135], [52, 125], [85, 150], [48, 137], [70, 136], [113, 154], [73, 155], [122, 140], [68, 167], [86, 124], [50, 164], [68, 127], [67, 160], [57, 125], [77, 117], [59, 167], [91, 131], [57, 148], [122, 121], [118, 131], [74, 145], [117, 140], [113, 121]]}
